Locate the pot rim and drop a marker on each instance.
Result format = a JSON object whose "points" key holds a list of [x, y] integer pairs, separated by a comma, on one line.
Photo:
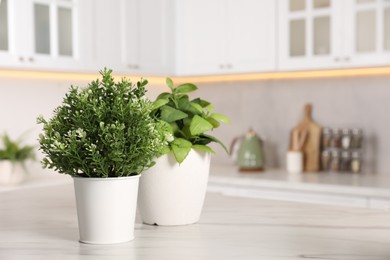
{"points": [[106, 178]]}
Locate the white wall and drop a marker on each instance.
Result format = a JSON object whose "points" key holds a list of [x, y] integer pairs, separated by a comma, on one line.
{"points": [[272, 108]]}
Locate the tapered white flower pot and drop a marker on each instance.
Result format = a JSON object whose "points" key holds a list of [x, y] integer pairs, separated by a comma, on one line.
{"points": [[11, 173], [106, 209], [173, 194]]}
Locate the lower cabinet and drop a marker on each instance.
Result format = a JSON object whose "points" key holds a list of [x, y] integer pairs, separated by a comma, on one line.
{"points": [[321, 198]]}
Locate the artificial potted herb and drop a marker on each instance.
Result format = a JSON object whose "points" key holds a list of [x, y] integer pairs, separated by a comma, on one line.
{"points": [[13, 156], [104, 137], [173, 191]]}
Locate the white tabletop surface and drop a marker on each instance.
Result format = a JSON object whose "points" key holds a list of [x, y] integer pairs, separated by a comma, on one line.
{"points": [[41, 223]]}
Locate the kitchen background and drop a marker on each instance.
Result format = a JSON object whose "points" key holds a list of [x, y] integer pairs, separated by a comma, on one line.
{"points": [[163, 38]]}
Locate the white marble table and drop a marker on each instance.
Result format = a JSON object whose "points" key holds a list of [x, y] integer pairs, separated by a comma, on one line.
{"points": [[41, 223]]}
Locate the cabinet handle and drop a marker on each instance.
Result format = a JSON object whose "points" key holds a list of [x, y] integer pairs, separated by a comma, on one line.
{"points": [[221, 66], [21, 58], [31, 59], [347, 59], [337, 59], [229, 66]]}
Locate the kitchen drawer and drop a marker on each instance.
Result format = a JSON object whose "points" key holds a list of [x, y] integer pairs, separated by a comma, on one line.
{"points": [[290, 195]]}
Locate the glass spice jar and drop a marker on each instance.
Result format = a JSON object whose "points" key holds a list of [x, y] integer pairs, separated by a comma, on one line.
{"points": [[335, 161], [325, 160], [336, 138], [326, 137], [356, 162], [357, 138], [346, 138], [345, 162]]}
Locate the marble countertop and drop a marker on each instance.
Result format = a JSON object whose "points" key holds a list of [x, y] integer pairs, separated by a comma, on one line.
{"points": [[41, 223], [370, 185]]}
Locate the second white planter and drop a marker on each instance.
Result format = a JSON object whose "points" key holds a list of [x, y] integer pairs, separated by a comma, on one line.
{"points": [[11, 173], [173, 194]]}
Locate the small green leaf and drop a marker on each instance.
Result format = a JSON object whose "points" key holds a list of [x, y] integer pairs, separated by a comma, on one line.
{"points": [[164, 150], [185, 88], [201, 102], [214, 122], [212, 138], [197, 107], [204, 148], [210, 108], [181, 149], [199, 125], [221, 118], [169, 114], [164, 95], [169, 83], [159, 103]]}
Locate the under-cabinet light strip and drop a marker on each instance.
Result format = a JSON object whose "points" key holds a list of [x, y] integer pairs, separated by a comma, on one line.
{"points": [[202, 79]]}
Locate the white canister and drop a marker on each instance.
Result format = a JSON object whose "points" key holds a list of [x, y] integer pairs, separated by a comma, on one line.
{"points": [[294, 161]]}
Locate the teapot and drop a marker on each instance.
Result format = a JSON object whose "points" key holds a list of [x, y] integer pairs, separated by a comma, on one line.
{"points": [[248, 152]]}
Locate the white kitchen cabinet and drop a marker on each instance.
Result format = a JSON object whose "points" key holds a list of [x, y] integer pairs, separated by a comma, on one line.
{"points": [[39, 34], [318, 34], [225, 36], [367, 33], [147, 43]]}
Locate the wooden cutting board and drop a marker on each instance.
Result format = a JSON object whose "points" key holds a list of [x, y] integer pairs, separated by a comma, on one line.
{"points": [[311, 145]]}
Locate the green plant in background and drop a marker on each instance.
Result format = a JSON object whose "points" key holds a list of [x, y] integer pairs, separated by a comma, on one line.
{"points": [[14, 151], [104, 130], [183, 122]]}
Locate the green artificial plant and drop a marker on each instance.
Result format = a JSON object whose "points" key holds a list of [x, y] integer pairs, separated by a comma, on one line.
{"points": [[183, 123], [14, 151], [103, 130]]}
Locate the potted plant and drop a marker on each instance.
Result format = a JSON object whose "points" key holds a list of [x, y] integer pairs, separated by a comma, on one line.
{"points": [[104, 137], [13, 156], [173, 191]]}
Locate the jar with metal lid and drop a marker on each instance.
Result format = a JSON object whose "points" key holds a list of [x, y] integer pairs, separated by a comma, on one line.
{"points": [[357, 138], [346, 138], [326, 137], [356, 162], [345, 162], [325, 160], [336, 138], [335, 161]]}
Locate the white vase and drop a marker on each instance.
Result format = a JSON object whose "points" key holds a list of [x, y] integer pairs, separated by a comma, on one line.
{"points": [[11, 173], [106, 209], [173, 194]]}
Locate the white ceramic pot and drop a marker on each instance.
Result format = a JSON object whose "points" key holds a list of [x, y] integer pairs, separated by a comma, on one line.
{"points": [[106, 209], [11, 173], [173, 194]]}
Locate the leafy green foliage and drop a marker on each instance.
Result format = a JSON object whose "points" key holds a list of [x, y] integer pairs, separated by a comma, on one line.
{"points": [[104, 130], [183, 122], [14, 151]]}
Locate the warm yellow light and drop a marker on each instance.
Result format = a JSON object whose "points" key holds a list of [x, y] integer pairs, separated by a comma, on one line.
{"points": [[201, 79]]}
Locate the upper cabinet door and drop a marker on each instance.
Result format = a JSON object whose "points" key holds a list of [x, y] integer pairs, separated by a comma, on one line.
{"points": [[200, 34], [367, 39], [250, 36], [44, 39], [225, 36], [309, 34], [147, 31], [7, 47]]}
